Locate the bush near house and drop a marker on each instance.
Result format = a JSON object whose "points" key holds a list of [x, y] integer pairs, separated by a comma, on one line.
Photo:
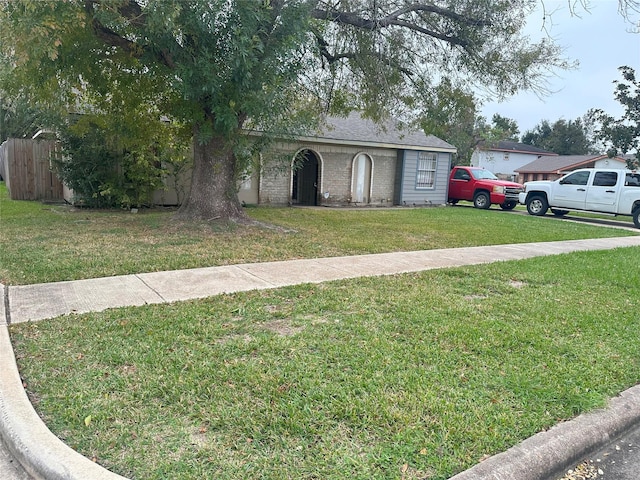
{"points": [[106, 164]]}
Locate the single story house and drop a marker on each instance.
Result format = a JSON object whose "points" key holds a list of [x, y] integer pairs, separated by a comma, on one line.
{"points": [[506, 157], [353, 161], [555, 166]]}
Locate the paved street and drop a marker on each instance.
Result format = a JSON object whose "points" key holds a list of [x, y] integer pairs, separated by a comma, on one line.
{"points": [[620, 460], [9, 468]]}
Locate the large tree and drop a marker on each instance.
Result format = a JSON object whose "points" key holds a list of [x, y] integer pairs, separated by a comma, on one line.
{"points": [[228, 66], [508, 126], [500, 129], [622, 134], [562, 137], [450, 113], [18, 119]]}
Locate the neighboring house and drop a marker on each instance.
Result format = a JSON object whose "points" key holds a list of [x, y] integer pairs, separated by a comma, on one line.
{"points": [[353, 161], [553, 167], [505, 158]]}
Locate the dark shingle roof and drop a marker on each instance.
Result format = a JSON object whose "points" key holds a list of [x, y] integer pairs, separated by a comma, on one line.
{"points": [[509, 146], [355, 130]]}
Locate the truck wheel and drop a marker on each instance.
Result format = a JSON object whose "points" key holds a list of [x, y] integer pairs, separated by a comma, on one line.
{"points": [[508, 205], [537, 205], [482, 200], [636, 217]]}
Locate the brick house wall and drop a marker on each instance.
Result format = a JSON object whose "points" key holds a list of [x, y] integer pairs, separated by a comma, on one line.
{"points": [[352, 161], [335, 173]]}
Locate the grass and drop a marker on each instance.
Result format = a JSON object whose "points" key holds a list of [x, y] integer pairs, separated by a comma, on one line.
{"points": [[46, 243], [402, 377]]}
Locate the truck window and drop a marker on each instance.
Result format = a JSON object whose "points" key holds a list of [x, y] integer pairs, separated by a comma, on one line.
{"points": [[578, 178], [461, 175], [480, 174], [632, 180], [605, 179]]}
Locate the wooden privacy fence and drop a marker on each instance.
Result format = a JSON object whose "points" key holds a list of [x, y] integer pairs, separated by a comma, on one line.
{"points": [[26, 169]]}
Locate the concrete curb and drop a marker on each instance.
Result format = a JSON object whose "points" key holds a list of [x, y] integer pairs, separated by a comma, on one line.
{"points": [[41, 454], [4, 298], [548, 455]]}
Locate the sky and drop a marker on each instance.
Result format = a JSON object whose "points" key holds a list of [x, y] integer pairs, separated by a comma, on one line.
{"points": [[601, 41]]}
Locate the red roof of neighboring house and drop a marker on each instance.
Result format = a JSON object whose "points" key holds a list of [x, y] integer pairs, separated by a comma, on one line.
{"points": [[561, 163]]}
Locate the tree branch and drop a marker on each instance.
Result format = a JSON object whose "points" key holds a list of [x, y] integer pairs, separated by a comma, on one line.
{"points": [[132, 12], [349, 18], [397, 19], [449, 39], [104, 33], [333, 58]]}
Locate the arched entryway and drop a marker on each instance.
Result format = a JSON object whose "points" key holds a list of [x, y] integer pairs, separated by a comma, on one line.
{"points": [[306, 178], [361, 179]]}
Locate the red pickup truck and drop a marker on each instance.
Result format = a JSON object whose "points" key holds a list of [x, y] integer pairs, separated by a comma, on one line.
{"points": [[482, 187]]}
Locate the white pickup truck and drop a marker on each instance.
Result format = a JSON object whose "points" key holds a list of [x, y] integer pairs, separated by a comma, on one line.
{"points": [[599, 190]]}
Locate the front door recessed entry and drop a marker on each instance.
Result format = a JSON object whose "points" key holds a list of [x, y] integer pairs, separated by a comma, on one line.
{"points": [[306, 179]]}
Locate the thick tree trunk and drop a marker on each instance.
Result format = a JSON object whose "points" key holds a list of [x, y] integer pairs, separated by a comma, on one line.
{"points": [[213, 194]]}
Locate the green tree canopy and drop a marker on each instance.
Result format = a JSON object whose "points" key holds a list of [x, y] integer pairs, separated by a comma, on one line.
{"points": [[225, 67], [622, 135], [450, 113], [18, 119], [500, 129], [562, 137], [508, 126]]}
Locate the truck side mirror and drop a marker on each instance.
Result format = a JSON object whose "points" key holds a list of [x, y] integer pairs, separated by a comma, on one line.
{"points": [[465, 176]]}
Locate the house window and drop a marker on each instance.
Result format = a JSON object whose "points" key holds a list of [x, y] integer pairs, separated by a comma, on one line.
{"points": [[426, 174], [506, 156]]}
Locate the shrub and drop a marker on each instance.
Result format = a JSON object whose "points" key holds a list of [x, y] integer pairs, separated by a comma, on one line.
{"points": [[110, 163]]}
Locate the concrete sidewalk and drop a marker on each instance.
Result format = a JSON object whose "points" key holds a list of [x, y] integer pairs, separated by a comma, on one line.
{"points": [[542, 457], [42, 301]]}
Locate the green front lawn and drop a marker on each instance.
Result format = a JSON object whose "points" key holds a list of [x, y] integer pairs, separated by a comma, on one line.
{"points": [[401, 377], [404, 377], [47, 243]]}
